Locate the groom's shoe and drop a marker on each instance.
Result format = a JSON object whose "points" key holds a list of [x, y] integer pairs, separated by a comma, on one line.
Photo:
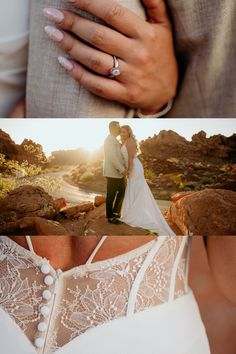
{"points": [[115, 221]]}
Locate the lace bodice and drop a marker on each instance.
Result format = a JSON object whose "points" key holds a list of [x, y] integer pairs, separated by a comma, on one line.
{"points": [[125, 155], [53, 307]]}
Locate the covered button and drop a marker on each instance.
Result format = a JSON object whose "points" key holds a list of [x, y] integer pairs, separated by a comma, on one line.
{"points": [[39, 342], [48, 280], [47, 294], [45, 268], [42, 326], [44, 310]]}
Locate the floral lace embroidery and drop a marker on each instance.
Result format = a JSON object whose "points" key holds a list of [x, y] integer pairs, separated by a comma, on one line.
{"points": [[85, 297], [21, 286]]}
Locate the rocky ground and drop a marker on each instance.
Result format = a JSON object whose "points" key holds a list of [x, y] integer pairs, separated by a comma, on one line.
{"points": [[30, 210]]}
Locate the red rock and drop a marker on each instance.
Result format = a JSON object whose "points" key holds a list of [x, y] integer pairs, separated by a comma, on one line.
{"points": [[99, 200], [17, 226], [49, 227], [59, 204], [28, 201], [208, 212], [180, 195], [75, 211]]}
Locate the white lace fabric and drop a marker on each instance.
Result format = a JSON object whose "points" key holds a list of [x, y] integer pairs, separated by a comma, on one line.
{"points": [[90, 295]]}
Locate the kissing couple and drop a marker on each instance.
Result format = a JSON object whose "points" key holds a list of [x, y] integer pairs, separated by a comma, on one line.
{"points": [[129, 198]]}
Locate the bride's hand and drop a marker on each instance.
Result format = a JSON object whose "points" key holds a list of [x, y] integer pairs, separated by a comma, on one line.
{"points": [[144, 49]]}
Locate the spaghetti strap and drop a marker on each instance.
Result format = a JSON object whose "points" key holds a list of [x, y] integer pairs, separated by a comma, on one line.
{"points": [[100, 243], [175, 268], [190, 238], [29, 243], [134, 290]]}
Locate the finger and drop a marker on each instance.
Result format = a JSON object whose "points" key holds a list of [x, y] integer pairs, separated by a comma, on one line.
{"points": [[100, 86], [115, 15], [97, 61], [99, 36], [157, 11]]}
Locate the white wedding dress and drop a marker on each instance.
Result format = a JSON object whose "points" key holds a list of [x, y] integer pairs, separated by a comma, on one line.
{"points": [[138, 302], [14, 30], [139, 206]]}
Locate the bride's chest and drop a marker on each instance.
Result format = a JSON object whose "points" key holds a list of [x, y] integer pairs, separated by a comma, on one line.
{"points": [[52, 308]]}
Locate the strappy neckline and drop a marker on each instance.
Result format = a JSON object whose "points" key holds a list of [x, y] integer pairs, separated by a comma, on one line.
{"points": [[90, 266], [91, 257]]}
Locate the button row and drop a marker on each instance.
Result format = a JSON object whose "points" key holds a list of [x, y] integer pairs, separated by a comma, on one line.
{"points": [[44, 310]]}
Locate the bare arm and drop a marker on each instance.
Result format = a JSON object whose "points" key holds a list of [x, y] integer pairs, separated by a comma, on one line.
{"points": [[132, 149], [221, 252]]}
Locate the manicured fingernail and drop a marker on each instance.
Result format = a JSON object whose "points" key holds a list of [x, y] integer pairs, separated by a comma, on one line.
{"points": [[54, 33], [71, 1], [66, 63], [53, 14]]}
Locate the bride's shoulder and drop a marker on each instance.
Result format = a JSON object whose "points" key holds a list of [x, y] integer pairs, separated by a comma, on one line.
{"points": [[130, 141]]}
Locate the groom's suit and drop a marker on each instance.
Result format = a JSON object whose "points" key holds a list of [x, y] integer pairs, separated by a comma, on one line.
{"points": [[205, 43], [114, 165]]}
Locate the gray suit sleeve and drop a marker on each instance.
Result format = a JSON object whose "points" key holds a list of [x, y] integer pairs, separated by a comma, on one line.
{"points": [[115, 156]]}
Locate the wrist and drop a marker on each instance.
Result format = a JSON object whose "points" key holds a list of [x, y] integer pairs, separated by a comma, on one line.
{"points": [[157, 113]]}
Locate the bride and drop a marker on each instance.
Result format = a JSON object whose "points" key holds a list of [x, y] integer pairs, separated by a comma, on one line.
{"points": [[139, 207]]}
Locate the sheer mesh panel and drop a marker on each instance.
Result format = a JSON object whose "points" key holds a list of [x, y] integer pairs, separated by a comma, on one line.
{"points": [[87, 295]]}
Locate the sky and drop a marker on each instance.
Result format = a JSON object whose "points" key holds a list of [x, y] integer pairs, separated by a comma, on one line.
{"points": [[63, 134]]}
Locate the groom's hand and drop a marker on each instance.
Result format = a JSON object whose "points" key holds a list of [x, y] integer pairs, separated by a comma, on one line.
{"points": [[145, 50]]}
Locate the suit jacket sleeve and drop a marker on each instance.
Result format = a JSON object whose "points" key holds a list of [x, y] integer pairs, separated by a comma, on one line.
{"points": [[115, 156]]}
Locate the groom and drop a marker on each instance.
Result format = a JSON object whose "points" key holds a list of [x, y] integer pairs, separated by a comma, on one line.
{"points": [[115, 173]]}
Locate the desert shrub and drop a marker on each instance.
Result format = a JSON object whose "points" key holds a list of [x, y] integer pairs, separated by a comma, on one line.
{"points": [[225, 168], [35, 150], [191, 186], [178, 180], [208, 180], [16, 169], [6, 185], [198, 164], [149, 174], [86, 177], [173, 160], [49, 184]]}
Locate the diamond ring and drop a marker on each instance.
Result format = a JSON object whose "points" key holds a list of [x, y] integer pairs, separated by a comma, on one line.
{"points": [[115, 70]]}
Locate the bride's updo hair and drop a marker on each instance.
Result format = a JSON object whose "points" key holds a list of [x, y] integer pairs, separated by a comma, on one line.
{"points": [[131, 134]]}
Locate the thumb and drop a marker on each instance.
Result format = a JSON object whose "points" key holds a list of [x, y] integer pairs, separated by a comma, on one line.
{"points": [[156, 11]]}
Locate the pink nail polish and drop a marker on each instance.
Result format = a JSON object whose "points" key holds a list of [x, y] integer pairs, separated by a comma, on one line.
{"points": [[66, 63], [54, 33], [53, 14]]}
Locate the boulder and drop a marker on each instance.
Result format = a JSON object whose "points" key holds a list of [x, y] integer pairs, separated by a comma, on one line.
{"points": [[76, 211], [59, 204], [49, 227], [99, 200], [207, 212], [180, 195], [28, 201], [34, 226], [18, 226]]}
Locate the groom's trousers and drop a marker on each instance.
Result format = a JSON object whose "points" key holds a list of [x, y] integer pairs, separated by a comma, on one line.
{"points": [[115, 195]]}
